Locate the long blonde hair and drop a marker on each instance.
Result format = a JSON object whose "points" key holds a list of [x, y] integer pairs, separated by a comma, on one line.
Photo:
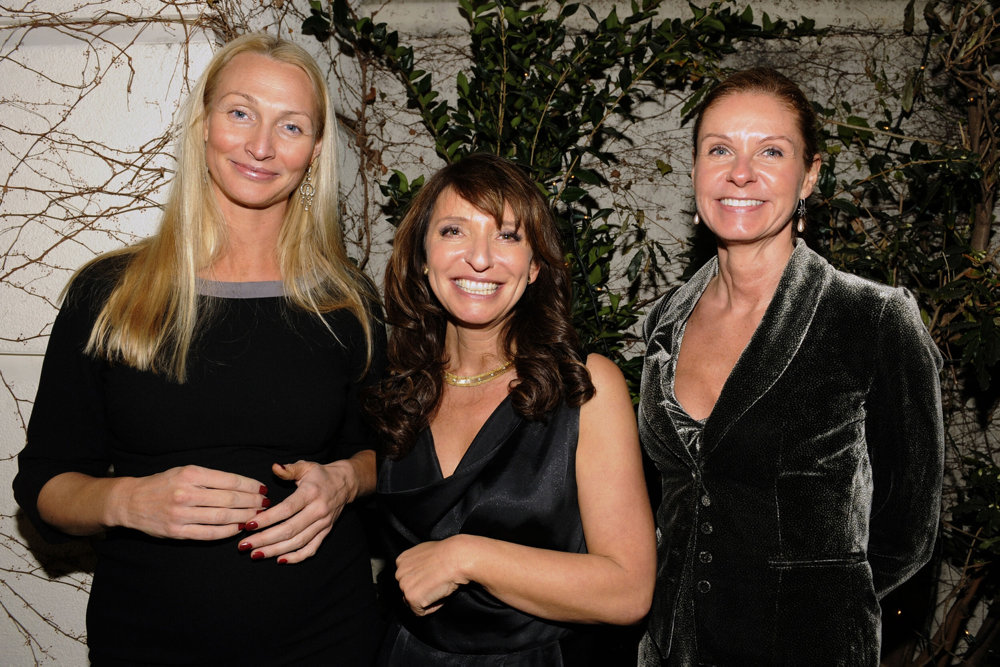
{"points": [[150, 317]]}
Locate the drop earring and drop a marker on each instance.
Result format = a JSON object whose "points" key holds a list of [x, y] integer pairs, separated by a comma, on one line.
{"points": [[697, 219], [307, 190], [801, 212]]}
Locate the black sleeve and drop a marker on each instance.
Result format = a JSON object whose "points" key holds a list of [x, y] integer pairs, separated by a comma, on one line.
{"points": [[66, 431], [355, 434], [905, 433]]}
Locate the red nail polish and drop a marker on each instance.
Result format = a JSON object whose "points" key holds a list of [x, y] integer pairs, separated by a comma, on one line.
{"points": [[263, 490], [242, 526], [282, 561], [257, 555], [251, 525], [266, 502], [244, 546]]}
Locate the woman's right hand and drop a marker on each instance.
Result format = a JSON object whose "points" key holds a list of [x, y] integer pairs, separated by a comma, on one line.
{"points": [[188, 503]]}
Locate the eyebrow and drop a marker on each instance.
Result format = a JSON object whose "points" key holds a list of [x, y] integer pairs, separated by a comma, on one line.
{"points": [[773, 137], [460, 218], [253, 100]]}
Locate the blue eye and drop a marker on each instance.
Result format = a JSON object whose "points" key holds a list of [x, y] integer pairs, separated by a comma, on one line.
{"points": [[294, 129], [239, 114], [717, 150], [773, 152]]}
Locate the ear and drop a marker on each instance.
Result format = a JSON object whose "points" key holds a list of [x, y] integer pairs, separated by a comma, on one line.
{"points": [[533, 270], [317, 149], [812, 175]]}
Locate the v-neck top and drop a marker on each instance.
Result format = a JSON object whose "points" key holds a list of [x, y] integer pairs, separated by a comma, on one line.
{"points": [[516, 482]]}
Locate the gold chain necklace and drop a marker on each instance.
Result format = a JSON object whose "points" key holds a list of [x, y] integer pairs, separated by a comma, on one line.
{"points": [[476, 380]]}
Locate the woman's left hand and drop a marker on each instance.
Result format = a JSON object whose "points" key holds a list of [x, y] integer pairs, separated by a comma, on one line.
{"points": [[430, 572], [293, 529]]}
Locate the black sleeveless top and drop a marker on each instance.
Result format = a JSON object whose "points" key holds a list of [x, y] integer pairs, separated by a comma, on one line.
{"points": [[516, 482]]}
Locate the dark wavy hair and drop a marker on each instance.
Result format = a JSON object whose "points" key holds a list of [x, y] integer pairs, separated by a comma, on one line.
{"points": [[766, 81], [538, 334]]}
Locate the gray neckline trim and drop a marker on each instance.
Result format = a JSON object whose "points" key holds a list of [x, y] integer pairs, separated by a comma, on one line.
{"points": [[249, 290]]}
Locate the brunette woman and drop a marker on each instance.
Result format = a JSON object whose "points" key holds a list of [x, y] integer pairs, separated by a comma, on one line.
{"points": [[517, 512]]}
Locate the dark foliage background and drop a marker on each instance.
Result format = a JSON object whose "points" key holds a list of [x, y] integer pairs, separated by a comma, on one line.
{"points": [[906, 196]]}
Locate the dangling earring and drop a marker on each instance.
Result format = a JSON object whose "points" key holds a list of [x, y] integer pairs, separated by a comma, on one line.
{"points": [[306, 190], [697, 220], [801, 212]]}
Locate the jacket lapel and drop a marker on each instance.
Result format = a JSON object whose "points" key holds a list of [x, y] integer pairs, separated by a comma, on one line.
{"points": [[662, 324], [773, 345]]}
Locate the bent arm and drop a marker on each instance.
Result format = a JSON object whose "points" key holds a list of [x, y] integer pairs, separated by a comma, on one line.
{"points": [[363, 466], [905, 433], [62, 481], [613, 581], [67, 434], [188, 502], [79, 504]]}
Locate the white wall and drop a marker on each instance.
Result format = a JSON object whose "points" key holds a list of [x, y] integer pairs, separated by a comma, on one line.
{"points": [[83, 110]]}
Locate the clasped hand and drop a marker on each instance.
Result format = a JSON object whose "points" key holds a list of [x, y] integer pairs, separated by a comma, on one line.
{"points": [[429, 572], [293, 529], [190, 503]]}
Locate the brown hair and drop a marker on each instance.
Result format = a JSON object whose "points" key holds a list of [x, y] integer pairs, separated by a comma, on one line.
{"points": [[538, 335], [766, 81]]}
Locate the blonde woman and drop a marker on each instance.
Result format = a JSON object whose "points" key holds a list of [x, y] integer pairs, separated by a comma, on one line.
{"points": [[197, 403]]}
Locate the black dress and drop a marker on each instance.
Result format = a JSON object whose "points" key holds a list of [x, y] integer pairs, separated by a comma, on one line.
{"points": [[267, 383], [517, 483]]}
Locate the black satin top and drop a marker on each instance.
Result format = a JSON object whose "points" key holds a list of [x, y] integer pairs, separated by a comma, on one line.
{"points": [[516, 482]]}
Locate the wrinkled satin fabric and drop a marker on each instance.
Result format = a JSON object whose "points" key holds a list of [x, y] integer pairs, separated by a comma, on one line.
{"points": [[516, 482]]}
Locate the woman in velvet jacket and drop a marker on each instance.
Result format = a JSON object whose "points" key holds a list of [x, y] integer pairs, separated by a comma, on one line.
{"points": [[793, 412]]}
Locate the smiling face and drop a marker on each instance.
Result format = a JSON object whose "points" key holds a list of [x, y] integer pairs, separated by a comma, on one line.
{"points": [[749, 170], [476, 269], [259, 134]]}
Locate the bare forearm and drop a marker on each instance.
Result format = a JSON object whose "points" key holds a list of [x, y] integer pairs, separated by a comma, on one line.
{"points": [[583, 588], [79, 504], [364, 470]]}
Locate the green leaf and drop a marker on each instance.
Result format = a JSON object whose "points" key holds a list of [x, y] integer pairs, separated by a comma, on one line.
{"points": [[571, 193], [588, 176], [906, 99], [635, 266], [848, 207]]}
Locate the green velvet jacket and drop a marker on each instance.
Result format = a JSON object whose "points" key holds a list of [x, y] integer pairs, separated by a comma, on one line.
{"points": [[815, 488]]}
